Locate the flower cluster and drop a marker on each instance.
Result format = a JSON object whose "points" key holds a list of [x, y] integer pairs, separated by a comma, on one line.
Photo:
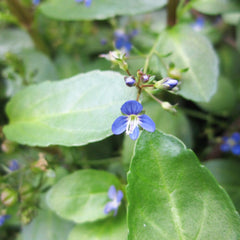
{"points": [[116, 197], [132, 119], [231, 144]]}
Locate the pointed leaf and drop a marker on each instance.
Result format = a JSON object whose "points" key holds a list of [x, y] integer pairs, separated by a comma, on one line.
{"points": [[74, 111], [190, 50], [171, 196]]}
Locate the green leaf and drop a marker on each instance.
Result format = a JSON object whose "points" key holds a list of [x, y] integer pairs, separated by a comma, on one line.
{"points": [[231, 18], [46, 226], [114, 228], [13, 40], [82, 196], [224, 100], [190, 50], [75, 111], [172, 196], [215, 6], [103, 9], [226, 171]]}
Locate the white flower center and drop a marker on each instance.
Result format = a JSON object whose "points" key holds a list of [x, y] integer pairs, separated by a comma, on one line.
{"points": [[132, 123]]}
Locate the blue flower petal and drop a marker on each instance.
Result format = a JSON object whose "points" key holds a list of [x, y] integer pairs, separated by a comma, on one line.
{"points": [[14, 165], [119, 196], [224, 147], [119, 125], [88, 3], [147, 123], [119, 43], [135, 134], [128, 46], [236, 150], [131, 107], [236, 137], [112, 192], [110, 206]]}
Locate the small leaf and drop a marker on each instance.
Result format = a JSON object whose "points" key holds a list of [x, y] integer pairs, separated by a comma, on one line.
{"points": [[226, 171], [82, 196], [114, 228], [74, 111], [190, 50], [172, 196], [13, 40], [46, 226], [71, 10]]}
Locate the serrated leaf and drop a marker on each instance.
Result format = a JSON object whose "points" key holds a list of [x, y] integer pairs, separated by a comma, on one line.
{"points": [[99, 9], [171, 196], [47, 226], [215, 6], [74, 111], [82, 196], [114, 228], [226, 171], [190, 50], [14, 40]]}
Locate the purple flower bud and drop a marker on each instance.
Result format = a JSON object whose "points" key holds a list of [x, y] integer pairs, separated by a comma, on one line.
{"points": [[170, 83], [130, 81], [145, 77]]}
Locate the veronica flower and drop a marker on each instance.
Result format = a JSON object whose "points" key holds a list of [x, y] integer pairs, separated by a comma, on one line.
{"points": [[116, 197], [231, 144], [35, 2], [170, 83], [198, 25], [132, 119], [14, 165], [87, 2], [3, 218]]}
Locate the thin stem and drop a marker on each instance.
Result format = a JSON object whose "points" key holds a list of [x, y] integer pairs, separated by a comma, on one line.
{"points": [[25, 18], [172, 12], [153, 97]]}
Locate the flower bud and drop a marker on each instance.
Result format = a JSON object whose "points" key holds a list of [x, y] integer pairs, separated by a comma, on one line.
{"points": [[130, 81], [8, 197], [166, 83], [167, 106], [174, 73]]}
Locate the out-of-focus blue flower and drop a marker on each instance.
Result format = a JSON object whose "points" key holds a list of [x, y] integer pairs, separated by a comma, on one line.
{"points": [[13, 165], [231, 144], [132, 119], [87, 2], [103, 41], [198, 24], [130, 81], [123, 40], [3, 218], [170, 83], [116, 197], [35, 2]]}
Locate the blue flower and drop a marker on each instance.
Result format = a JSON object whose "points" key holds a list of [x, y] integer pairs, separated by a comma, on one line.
{"points": [[198, 24], [87, 2], [123, 40], [35, 2], [116, 197], [3, 218], [130, 81], [14, 165], [231, 144], [131, 120]]}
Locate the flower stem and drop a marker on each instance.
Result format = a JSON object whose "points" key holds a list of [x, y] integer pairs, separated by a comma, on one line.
{"points": [[25, 18], [172, 12]]}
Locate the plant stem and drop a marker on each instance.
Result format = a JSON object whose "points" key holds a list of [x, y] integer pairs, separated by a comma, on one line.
{"points": [[25, 18], [172, 12]]}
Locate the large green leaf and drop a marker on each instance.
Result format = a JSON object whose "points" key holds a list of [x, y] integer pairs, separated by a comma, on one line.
{"points": [[190, 50], [114, 228], [172, 196], [226, 171], [82, 196], [47, 226], [75, 111], [215, 6], [99, 9]]}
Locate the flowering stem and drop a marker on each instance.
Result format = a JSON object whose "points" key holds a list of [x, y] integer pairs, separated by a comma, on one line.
{"points": [[172, 12], [128, 72], [25, 18]]}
